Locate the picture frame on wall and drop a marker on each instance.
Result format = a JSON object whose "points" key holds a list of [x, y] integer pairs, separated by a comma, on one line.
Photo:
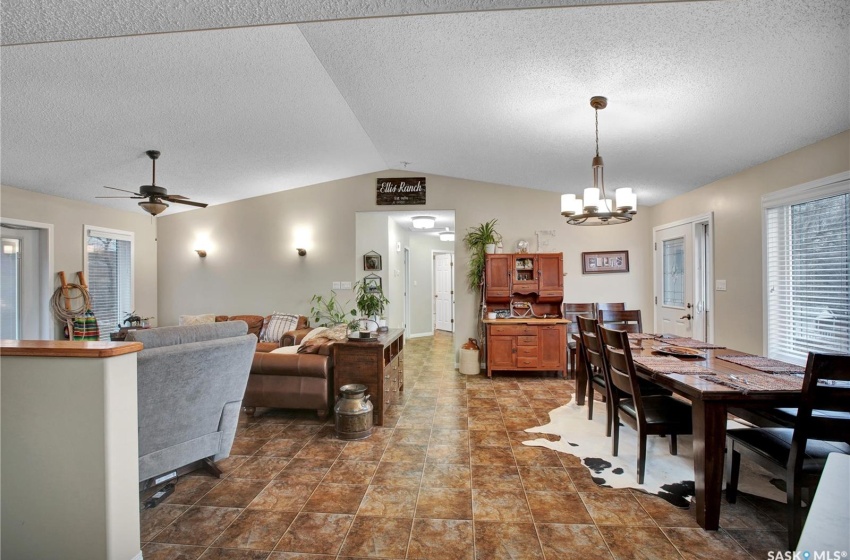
{"points": [[602, 262], [373, 284], [372, 261]]}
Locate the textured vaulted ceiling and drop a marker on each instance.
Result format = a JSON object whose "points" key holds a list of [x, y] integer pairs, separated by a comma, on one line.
{"points": [[697, 91]]}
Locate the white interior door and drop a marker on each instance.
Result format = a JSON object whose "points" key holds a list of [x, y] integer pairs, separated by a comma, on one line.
{"points": [[674, 278], [444, 292]]}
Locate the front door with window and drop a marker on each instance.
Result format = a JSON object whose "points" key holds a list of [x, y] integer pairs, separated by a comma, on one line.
{"points": [[674, 270]]}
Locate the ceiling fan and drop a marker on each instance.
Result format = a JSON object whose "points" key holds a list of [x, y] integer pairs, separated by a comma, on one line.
{"points": [[156, 196]]}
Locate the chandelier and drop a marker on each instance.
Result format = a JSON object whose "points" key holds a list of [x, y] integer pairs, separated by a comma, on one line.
{"points": [[597, 209]]}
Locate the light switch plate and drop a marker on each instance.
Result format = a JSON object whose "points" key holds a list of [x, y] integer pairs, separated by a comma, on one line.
{"points": [[345, 285], [720, 285], [335, 285]]}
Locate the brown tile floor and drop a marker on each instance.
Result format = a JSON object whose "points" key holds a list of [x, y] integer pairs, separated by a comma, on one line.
{"points": [[446, 478]]}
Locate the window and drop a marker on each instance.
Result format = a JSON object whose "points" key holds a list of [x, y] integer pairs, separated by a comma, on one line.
{"points": [[109, 275], [807, 270], [674, 272]]}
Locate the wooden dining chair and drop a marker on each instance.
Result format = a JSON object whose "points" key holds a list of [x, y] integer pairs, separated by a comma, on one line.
{"points": [[624, 319], [619, 306], [822, 427], [594, 363], [647, 414], [571, 311]]}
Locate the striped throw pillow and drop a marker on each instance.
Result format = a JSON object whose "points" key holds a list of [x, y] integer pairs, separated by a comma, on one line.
{"points": [[279, 324]]}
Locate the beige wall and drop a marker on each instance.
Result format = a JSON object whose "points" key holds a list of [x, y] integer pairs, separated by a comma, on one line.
{"points": [[736, 203], [252, 265], [68, 218]]}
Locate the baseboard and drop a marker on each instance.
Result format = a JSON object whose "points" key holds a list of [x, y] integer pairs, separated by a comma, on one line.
{"points": [[420, 335]]}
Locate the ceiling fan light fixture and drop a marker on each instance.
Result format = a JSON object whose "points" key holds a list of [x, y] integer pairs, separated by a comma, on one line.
{"points": [[597, 209], [423, 222], [153, 207]]}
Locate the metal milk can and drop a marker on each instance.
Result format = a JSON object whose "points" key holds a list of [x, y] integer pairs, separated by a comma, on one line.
{"points": [[353, 412]]}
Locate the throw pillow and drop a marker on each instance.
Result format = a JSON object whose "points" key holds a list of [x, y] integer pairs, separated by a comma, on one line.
{"points": [[197, 319], [318, 331], [338, 333], [279, 324]]}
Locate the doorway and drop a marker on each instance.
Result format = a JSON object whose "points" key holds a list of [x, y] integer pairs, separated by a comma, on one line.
{"points": [[683, 276], [26, 268], [407, 273]]}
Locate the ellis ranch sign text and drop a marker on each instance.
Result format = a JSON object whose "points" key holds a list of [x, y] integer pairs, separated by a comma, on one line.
{"points": [[408, 190]]}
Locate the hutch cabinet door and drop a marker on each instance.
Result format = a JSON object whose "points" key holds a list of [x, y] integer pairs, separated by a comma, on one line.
{"points": [[497, 277], [552, 344], [550, 275], [501, 352]]}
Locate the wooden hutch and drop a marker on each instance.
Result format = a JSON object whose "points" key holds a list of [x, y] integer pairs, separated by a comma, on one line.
{"points": [[526, 291]]}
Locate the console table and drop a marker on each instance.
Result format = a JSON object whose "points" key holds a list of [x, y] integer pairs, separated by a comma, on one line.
{"points": [[377, 364]]}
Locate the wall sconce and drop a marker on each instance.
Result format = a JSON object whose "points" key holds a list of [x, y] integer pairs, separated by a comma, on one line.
{"points": [[201, 252], [301, 252]]}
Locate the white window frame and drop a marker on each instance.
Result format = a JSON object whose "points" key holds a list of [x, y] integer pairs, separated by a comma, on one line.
{"points": [[119, 234], [825, 187]]}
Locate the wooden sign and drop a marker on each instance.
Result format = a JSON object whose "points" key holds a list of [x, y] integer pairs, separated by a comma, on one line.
{"points": [[402, 191]]}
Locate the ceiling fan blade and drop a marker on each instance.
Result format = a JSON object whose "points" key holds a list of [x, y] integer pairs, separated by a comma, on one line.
{"points": [[178, 196], [186, 201], [122, 190], [120, 197]]}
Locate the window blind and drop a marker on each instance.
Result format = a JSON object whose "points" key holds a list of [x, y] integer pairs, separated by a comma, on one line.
{"points": [[807, 276], [109, 275]]}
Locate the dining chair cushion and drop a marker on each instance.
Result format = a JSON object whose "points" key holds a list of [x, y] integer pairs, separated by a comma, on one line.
{"points": [[662, 409], [775, 444]]}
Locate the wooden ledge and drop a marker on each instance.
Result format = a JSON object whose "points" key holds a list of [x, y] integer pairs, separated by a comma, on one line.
{"points": [[67, 348]]}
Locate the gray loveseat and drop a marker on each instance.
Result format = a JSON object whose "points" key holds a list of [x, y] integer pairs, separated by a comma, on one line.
{"points": [[191, 380]]}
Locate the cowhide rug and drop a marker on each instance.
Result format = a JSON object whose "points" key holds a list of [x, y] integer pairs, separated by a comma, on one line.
{"points": [[668, 476]]}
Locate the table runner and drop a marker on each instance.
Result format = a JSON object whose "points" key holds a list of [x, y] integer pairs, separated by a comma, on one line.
{"points": [[688, 342], [666, 364], [756, 381], [761, 363]]}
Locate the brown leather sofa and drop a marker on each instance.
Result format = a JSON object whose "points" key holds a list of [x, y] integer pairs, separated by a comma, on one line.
{"points": [[299, 381], [256, 324]]}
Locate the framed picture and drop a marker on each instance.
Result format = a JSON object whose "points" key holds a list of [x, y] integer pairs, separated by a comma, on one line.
{"points": [[372, 283], [604, 261], [371, 261]]}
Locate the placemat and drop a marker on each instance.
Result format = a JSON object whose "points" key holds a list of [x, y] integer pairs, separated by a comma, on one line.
{"points": [[668, 364], [757, 381], [688, 342], [763, 364], [641, 336]]}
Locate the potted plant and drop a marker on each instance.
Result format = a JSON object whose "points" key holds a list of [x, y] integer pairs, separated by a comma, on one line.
{"points": [[370, 300], [476, 241], [328, 312]]}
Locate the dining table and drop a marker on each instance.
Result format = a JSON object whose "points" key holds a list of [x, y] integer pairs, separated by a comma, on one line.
{"points": [[724, 385]]}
